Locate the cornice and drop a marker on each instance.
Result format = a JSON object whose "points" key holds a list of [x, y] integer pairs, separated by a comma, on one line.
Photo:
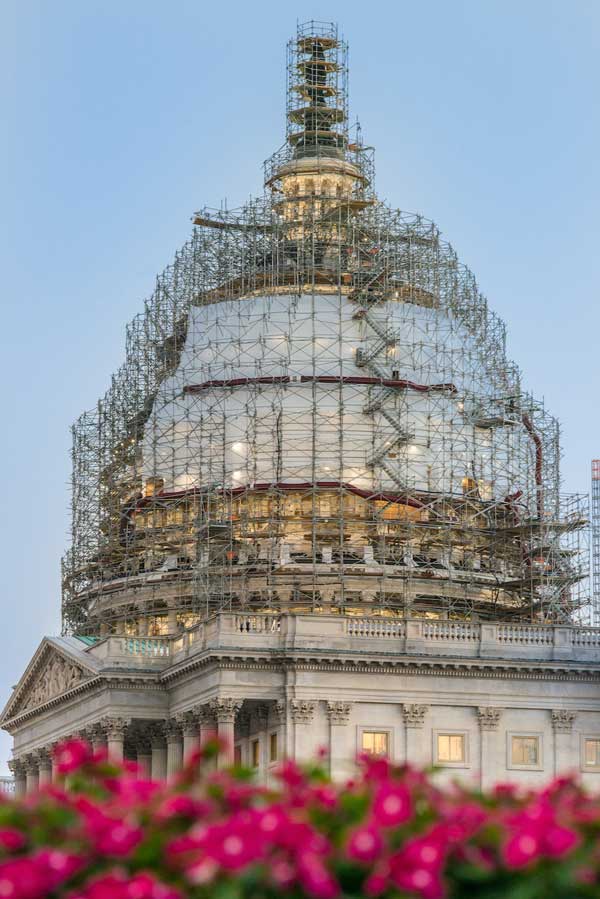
{"points": [[235, 658]]}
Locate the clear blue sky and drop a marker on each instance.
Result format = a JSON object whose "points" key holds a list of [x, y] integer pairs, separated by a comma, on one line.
{"points": [[122, 118]]}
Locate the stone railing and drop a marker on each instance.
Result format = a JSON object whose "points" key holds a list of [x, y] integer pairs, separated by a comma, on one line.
{"points": [[347, 635]]}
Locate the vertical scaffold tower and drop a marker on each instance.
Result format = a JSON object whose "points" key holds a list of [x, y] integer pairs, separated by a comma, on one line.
{"points": [[596, 540], [317, 413]]}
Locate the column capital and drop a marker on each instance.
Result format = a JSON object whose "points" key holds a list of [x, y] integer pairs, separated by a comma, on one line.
{"points": [[189, 722], [172, 730], [489, 717], [30, 762], [225, 708], [114, 728], [302, 710], [141, 737], [562, 720], [279, 708], [17, 767], [414, 714], [205, 714], [338, 712], [43, 757], [157, 735]]}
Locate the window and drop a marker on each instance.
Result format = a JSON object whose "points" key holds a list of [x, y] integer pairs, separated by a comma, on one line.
{"points": [[273, 753], [469, 485], [375, 742], [591, 753], [525, 751], [450, 748], [255, 753], [237, 755]]}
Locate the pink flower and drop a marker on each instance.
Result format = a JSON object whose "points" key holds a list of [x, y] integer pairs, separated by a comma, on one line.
{"points": [[181, 805], [118, 838], [315, 878], [522, 848], [365, 844], [377, 882], [233, 844], [291, 774], [11, 839], [72, 755], [22, 879], [57, 866], [421, 881], [146, 886], [376, 767], [202, 872], [283, 873], [392, 805], [558, 841]]}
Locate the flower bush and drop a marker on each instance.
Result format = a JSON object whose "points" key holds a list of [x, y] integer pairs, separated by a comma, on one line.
{"points": [[103, 831]]}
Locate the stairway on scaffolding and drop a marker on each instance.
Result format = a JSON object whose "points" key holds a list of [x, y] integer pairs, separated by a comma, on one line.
{"points": [[366, 297]]}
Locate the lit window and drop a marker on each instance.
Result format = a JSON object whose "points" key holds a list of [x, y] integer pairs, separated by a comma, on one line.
{"points": [[375, 742], [273, 754], [255, 753], [451, 748], [525, 751], [469, 485], [591, 752]]}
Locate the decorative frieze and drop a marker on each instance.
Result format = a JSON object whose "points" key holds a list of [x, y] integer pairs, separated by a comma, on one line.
{"points": [[338, 712], [489, 717], [562, 720], [57, 676], [414, 714], [302, 710]]}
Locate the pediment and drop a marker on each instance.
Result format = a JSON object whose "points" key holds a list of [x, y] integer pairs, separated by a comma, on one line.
{"points": [[55, 669]]}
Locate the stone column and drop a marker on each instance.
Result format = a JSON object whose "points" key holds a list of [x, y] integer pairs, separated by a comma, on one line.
{"points": [[490, 751], [418, 751], [53, 762], [280, 711], [302, 712], [174, 748], [341, 760], [143, 755], [243, 733], [97, 737], [17, 769], [190, 727], [565, 757], [158, 745], [115, 737], [225, 709], [32, 777], [172, 626], [44, 767], [208, 724]]}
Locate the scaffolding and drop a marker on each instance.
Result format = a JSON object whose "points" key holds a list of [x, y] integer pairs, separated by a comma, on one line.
{"points": [[317, 413], [595, 522]]}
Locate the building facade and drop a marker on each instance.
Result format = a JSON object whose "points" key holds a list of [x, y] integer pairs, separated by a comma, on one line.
{"points": [[317, 507]]}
